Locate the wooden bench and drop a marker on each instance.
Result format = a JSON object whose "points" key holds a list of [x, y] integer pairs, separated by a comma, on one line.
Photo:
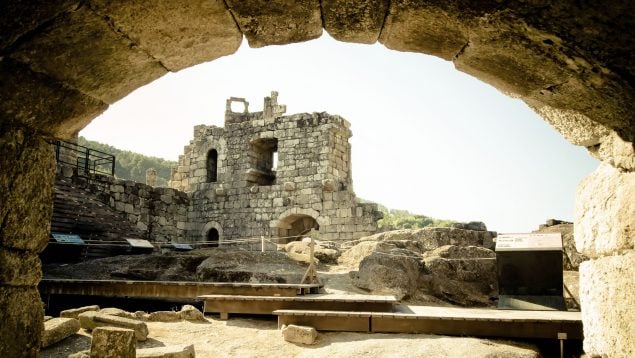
{"points": [[225, 304]]}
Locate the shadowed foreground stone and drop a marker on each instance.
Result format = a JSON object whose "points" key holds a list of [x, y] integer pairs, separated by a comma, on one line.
{"points": [[605, 212], [21, 321], [180, 351], [57, 329], [91, 320], [607, 296], [113, 342], [81, 49], [75, 312], [299, 334]]}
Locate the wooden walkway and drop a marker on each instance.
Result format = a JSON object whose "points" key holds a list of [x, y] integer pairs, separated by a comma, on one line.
{"points": [[443, 320], [226, 304], [170, 289]]}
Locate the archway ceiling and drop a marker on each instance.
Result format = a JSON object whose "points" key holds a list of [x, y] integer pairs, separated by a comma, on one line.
{"points": [[62, 61]]}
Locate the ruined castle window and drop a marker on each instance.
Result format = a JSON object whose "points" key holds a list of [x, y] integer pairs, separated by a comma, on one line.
{"points": [[212, 166], [212, 238], [262, 161]]}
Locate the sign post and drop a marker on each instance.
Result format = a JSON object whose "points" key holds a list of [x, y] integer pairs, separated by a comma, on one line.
{"points": [[529, 270]]}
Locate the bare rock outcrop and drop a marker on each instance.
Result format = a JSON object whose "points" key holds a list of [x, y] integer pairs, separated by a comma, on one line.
{"points": [[465, 276], [446, 264], [571, 257], [395, 272], [322, 251]]}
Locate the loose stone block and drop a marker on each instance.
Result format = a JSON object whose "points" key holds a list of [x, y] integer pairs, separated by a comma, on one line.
{"points": [[164, 316], [57, 329], [607, 296], [605, 212], [191, 313], [92, 320], [179, 351], [113, 342], [299, 334], [74, 312]]}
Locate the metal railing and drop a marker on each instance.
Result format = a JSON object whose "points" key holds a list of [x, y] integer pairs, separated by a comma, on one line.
{"points": [[85, 159]]}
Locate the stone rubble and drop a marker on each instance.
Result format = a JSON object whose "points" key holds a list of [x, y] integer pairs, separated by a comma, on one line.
{"points": [[56, 329], [91, 320], [74, 312], [113, 342]]}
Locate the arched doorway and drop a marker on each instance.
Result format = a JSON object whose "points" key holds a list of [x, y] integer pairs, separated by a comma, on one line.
{"points": [[293, 227], [213, 238]]}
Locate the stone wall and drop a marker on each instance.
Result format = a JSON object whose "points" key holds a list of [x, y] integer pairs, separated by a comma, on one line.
{"points": [[310, 186], [160, 212]]}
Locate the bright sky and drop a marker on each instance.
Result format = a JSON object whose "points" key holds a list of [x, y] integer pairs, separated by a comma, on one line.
{"points": [[426, 137]]}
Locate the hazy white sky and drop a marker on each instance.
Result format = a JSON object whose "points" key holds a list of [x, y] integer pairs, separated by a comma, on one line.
{"points": [[426, 137]]}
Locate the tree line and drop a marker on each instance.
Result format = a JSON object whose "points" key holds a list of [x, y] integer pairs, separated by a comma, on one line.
{"points": [[132, 166]]}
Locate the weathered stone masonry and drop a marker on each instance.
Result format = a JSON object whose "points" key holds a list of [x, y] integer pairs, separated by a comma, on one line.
{"points": [[311, 186]]}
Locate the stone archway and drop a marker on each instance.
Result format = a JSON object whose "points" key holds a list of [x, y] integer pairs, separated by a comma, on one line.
{"points": [[212, 234], [64, 62]]}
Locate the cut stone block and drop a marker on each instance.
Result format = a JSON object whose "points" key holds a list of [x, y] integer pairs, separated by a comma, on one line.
{"points": [[353, 20], [191, 313], [180, 351], [74, 312], [113, 342], [57, 329], [92, 320], [299, 334]]}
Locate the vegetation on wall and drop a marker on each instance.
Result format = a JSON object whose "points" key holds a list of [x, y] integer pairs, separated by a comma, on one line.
{"points": [[395, 219], [132, 166]]}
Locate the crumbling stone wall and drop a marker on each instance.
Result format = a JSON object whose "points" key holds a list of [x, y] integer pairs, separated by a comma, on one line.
{"points": [[160, 212], [251, 197]]}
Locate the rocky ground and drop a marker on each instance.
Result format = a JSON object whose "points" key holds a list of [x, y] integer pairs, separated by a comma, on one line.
{"points": [[448, 267]]}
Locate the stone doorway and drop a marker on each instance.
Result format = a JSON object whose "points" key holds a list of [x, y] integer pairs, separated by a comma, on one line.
{"points": [[213, 238], [293, 227]]}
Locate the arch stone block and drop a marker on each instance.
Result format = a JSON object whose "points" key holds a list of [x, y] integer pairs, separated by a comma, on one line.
{"points": [[277, 22]]}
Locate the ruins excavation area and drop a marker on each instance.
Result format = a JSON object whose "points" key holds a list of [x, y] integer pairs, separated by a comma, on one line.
{"points": [[64, 62]]}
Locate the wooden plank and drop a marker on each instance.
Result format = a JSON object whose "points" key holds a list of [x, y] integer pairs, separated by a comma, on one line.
{"points": [[164, 289], [451, 321], [327, 321], [267, 305]]}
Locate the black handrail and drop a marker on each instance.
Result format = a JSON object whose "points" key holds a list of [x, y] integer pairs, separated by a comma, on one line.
{"points": [[87, 160]]}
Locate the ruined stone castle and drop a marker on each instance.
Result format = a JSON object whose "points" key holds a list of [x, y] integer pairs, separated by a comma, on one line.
{"points": [[267, 174]]}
